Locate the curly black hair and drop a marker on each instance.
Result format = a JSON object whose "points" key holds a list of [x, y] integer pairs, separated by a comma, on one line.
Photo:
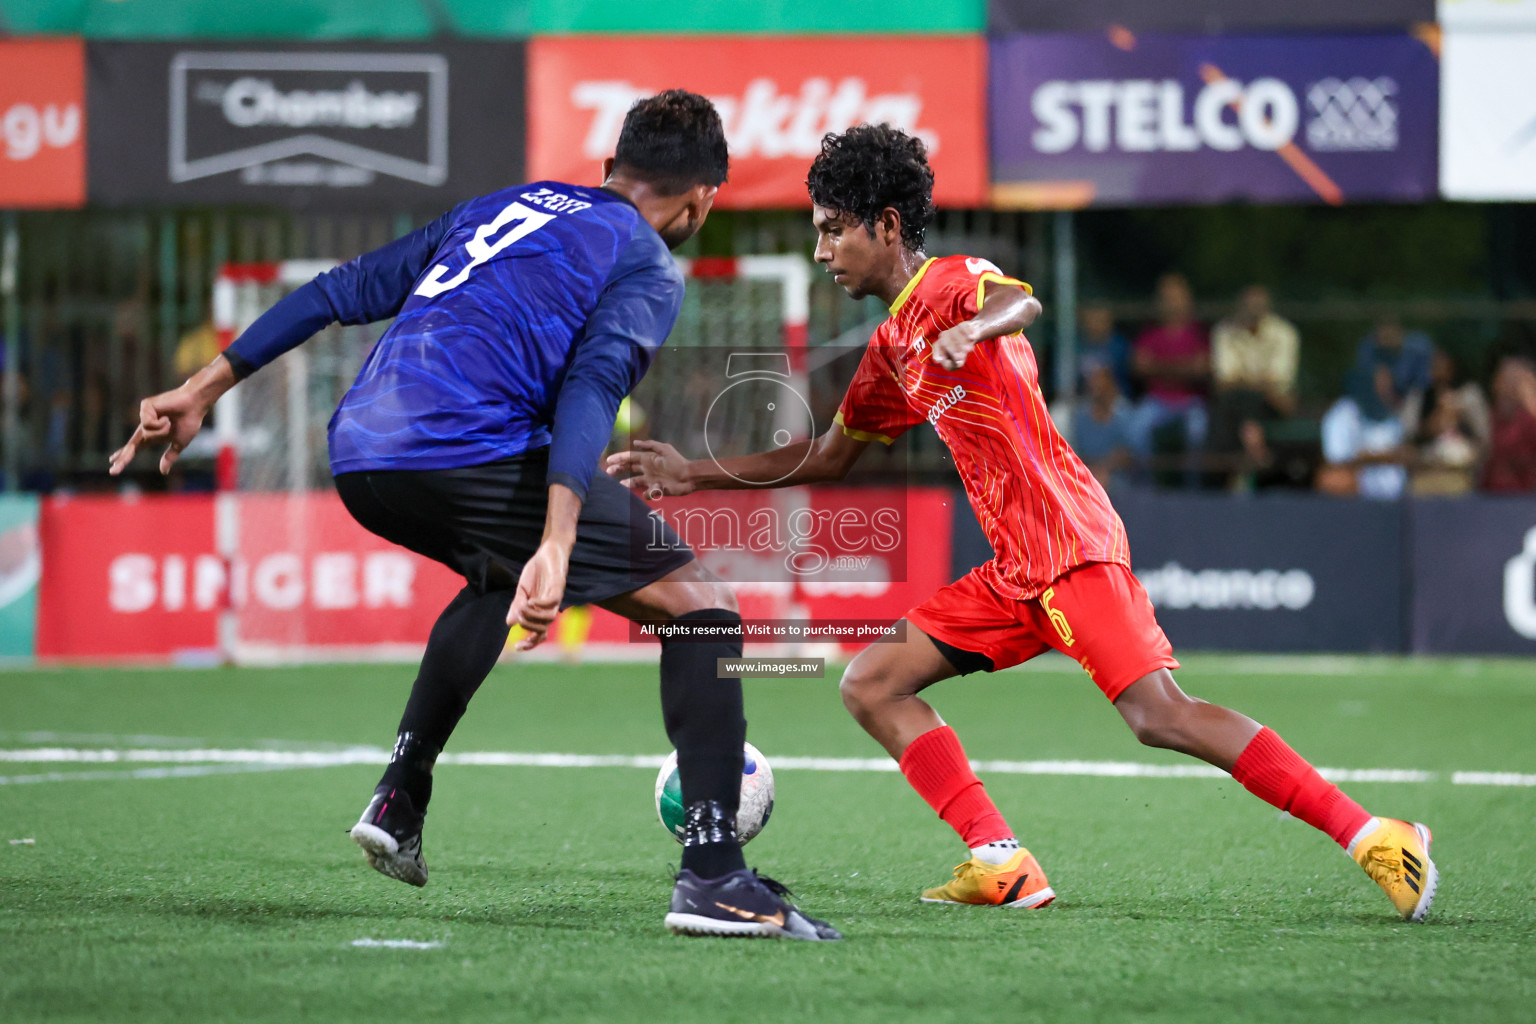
{"points": [[869, 168], [674, 140]]}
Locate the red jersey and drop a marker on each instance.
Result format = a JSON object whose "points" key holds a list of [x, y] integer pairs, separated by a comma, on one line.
{"points": [[1040, 507]]}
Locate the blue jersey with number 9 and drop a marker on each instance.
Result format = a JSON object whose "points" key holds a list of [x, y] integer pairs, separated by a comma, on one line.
{"points": [[503, 291]]}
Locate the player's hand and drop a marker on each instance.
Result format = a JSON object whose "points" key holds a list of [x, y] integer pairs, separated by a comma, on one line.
{"points": [[172, 418], [539, 590], [951, 348], [651, 469]]}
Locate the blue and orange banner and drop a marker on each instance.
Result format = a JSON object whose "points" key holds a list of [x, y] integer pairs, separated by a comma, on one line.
{"points": [[1124, 120]]}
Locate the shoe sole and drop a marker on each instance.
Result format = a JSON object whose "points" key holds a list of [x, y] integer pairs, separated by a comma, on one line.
{"points": [[697, 924], [1431, 875], [384, 855], [1033, 900], [713, 927]]}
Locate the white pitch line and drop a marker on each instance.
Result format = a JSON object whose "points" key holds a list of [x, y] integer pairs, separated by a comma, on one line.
{"points": [[210, 761], [179, 772], [394, 944]]}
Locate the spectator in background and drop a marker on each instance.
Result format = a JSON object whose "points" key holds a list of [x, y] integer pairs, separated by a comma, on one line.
{"points": [[1254, 354], [1449, 428], [1511, 465], [1173, 362], [1101, 427], [1408, 354], [1363, 439], [1100, 344], [196, 349]]}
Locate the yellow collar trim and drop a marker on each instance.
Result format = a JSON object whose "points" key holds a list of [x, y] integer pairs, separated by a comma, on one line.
{"points": [[906, 293]]}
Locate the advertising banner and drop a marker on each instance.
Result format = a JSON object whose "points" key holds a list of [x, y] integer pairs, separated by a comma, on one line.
{"points": [[1474, 571], [1275, 573], [311, 578], [423, 126], [777, 97], [1488, 116], [42, 124], [1144, 120], [20, 567], [1211, 16], [128, 579], [1280, 573], [145, 579], [1487, 14]]}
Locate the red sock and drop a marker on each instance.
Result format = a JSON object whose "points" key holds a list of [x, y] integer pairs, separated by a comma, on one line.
{"points": [[937, 767], [1276, 774]]}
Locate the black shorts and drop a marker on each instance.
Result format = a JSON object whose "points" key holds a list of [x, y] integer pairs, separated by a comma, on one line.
{"points": [[484, 522]]}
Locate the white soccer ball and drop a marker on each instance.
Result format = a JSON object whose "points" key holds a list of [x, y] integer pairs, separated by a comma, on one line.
{"points": [[756, 795]]}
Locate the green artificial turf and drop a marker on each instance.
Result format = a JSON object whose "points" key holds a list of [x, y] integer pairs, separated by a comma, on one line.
{"points": [[239, 897]]}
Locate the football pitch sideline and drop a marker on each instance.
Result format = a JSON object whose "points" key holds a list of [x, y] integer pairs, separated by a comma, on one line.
{"points": [[173, 848]]}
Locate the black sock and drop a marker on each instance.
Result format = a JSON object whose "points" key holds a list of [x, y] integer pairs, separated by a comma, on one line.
{"points": [[410, 768], [704, 720], [465, 642]]}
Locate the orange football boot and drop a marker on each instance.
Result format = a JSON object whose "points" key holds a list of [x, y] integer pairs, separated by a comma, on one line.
{"points": [[1018, 883]]}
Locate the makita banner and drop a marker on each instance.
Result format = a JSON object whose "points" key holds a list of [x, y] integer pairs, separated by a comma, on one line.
{"points": [[1474, 571], [777, 98], [1153, 119], [42, 123], [424, 126]]}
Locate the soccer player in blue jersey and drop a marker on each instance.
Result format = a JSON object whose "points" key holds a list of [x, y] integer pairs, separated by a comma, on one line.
{"points": [[472, 435]]}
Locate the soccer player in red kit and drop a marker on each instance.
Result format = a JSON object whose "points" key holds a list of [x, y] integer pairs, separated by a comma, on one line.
{"points": [[953, 353]]}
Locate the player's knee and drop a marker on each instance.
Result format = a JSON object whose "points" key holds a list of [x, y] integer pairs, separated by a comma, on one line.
{"points": [[1157, 714], [720, 595], [860, 688], [1154, 731], [703, 590]]}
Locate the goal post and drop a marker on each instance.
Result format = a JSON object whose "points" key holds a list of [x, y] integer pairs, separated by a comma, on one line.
{"points": [[296, 573]]}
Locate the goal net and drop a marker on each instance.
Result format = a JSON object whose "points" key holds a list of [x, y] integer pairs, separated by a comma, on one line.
{"points": [[306, 583]]}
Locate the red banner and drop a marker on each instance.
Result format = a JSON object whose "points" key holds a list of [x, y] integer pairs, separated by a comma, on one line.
{"points": [[310, 577], [145, 578], [42, 123], [125, 578], [776, 96], [851, 556]]}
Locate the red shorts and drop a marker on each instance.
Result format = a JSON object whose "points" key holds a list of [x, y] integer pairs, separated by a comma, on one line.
{"points": [[1098, 615]]}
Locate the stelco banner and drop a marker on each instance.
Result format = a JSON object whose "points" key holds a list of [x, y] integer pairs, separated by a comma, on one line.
{"points": [[777, 98], [1128, 120], [1210, 16], [424, 126], [42, 124]]}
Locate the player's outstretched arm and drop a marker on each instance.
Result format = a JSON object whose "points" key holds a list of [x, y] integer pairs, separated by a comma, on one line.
{"points": [[656, 469], [173, 418], [1006, 310]]}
